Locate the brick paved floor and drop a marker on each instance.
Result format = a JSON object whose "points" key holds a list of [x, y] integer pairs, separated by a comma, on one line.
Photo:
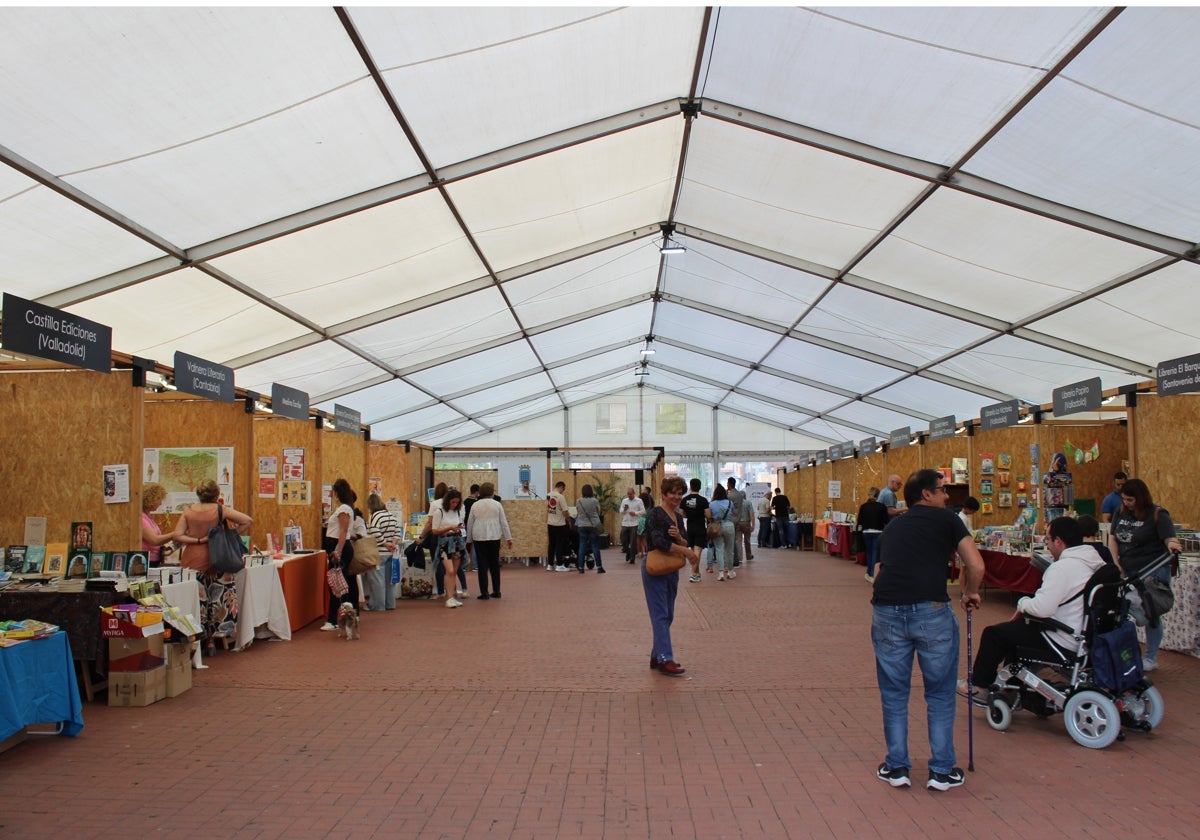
{"points": [[537, 717]]}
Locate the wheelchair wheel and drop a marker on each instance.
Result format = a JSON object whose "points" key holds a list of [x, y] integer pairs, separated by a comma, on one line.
{"points": [[1092, 719], [999, 714], [1144, 707]]}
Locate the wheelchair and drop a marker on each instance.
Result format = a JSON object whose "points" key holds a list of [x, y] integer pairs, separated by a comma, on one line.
{"points": [[1095, 715]]}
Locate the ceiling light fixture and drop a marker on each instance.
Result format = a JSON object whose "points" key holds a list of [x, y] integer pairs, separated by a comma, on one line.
{"points": [[669, 244], [648, 350]]}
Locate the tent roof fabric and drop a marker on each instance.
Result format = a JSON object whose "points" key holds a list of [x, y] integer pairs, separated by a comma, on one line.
{"points": [[449, 219]]}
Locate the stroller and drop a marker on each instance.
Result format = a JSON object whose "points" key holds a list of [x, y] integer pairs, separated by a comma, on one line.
{"points": [[1099, 686]]}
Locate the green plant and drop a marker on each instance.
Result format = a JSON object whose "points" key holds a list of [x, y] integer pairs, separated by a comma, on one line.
{"points": [[606, 495]]}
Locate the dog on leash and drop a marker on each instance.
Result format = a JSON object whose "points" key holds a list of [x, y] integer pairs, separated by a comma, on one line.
{"points": [[347, 621]]}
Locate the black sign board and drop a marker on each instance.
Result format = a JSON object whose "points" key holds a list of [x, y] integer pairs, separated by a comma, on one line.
{"points": [[820, 457], [288, 402], [842, 450], [48, 333], [203, 378], [1178, 376], [999, 415], [1082, 396], [867, 446], [941, 428], [346, 419], [900, 437]]}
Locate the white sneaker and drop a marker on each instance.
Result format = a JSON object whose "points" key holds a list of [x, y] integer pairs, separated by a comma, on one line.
{"points": [[560, 568], [1150, 664], [328, 626], [732, 574], [549, 567], [453, 602], [869, 578], [460, 593], [721, 576]]}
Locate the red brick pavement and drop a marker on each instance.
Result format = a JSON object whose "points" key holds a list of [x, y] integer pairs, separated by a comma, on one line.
{"points": [[536, 716]]}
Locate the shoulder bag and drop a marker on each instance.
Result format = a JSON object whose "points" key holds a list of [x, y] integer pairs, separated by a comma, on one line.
{"points": [[366, 556], [225, 548], [659, 563], [714, 525]]}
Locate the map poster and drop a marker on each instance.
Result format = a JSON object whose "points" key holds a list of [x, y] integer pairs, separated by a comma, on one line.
{"points": [[293, 464], [180, 471]]}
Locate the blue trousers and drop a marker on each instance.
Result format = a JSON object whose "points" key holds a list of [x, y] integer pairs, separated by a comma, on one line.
{"points": [[660, 602]]}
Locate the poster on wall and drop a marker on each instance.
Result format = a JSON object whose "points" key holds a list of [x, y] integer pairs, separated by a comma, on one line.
{"points": [[268, 465], [180, 471], [266, 486], [293, 464], [294, 492], [115, 480], [517, 474], [835, 490]]}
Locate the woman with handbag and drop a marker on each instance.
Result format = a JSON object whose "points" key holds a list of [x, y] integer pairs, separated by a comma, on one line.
{"points": [[452, 547], [720, 532], [381, 594], [590, 523], [340, 549], [1141, 533], [667, 541], [218, 591]]}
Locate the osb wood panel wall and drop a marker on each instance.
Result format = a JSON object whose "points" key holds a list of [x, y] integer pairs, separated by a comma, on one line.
{"points": [[175, 423], [343, 455], [1091, 480], [1014, 441], [527, 521], [60, 429], [271, 436], [902, 461], [399, 475], [1165, 454]]}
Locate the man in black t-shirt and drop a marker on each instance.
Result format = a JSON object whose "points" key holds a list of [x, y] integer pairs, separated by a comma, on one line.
{"points": [[913, 616], [693, 506], [781, 508]]}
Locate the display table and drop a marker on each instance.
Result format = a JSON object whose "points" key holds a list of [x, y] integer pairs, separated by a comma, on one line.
{"points": [[840, 540], [1181, 626], [185, 596], [302, 577], [37, 686], [1010, 571], [262, 607], [800, 534]]}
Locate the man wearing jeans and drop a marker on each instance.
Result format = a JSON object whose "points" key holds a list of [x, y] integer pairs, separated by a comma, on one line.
{"points": [[912, 615]]}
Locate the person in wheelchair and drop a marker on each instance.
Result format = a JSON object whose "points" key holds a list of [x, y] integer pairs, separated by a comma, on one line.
{"points": [[1060, 597]]}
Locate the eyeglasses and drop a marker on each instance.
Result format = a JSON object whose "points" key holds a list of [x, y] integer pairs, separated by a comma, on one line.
{"points": [[940, 490]]}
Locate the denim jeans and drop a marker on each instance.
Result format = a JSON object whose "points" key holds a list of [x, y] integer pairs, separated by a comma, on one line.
{"points": [[871, 542], [1154, 635], [588, 536], [764, 532], [724, 546], [929, 630]]}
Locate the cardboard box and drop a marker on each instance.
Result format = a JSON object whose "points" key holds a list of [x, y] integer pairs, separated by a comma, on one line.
{"points": [[136, 654], [124, 624], [137, 688], [179, 669]]}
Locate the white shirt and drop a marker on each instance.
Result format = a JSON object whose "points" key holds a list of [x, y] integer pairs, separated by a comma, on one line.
{"points": [[487, 522], [631, 509]]}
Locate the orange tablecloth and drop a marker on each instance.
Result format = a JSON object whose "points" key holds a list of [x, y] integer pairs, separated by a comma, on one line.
{"points": [[821, 528], [303, 579]]}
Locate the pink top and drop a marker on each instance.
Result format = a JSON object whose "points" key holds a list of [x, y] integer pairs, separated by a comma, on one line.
{"points": [[155, 551]]}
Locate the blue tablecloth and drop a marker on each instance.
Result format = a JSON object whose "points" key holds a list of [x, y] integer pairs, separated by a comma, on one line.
{"points": [[37, 685]]}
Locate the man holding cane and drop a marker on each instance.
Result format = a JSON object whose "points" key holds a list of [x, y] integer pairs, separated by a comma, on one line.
{"points": [[913, 615]]}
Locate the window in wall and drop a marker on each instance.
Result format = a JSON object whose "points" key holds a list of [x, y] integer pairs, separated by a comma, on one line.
{"points": [[610, 418], [670, 418]]}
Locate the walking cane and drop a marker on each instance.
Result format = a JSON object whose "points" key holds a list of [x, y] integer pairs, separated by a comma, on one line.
{"points": [[970, 700]]}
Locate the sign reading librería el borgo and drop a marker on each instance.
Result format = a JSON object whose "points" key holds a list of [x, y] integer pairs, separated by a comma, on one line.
{"points": [[203, 378], [1177, 376], [36, 330]]}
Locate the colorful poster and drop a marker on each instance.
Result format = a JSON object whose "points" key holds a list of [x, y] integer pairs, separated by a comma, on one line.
{"points": [[293, 464], [180, 471], [266, 486], [115, 481], [294, 492]]}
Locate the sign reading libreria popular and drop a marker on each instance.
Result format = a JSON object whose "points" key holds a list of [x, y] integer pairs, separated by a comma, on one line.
{"points": [[288, 402], [48, 333], [203, 378], [1178, 376], [1082, 396], [999, 415]]}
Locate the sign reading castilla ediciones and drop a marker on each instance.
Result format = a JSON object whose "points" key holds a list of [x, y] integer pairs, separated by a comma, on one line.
{"points": [[37, 330], [288, 402], [1081, 396], [203, 378]]}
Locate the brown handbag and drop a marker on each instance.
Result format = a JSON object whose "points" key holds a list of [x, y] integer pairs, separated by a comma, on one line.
{"points": [[660, 563]]}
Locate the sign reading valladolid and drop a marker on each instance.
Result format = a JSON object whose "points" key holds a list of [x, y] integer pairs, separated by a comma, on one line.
{"points": [[1082, 396], [288, 402], [49, 333], [999, 415], [203, 378], [1178, 376]]}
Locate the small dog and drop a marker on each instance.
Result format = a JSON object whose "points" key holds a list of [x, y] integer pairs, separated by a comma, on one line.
{"points": [[347, 621]]}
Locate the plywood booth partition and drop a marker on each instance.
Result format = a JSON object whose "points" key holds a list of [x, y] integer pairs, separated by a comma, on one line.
{"points": [[343, 455], [394, 471], [279, 443], [1162, 432], [61, 428]]}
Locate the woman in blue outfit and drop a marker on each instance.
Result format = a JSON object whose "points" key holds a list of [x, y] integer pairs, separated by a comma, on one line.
{"points": [[590, 523], [720, 510], [665, 531]]}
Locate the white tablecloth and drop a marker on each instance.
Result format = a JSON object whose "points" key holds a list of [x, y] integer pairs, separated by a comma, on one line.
{"points": [[185, 596], [1181, 626], [262, 610]]}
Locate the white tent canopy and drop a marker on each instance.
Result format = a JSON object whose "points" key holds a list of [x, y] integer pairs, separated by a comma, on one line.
{"points": [[450, 219]]}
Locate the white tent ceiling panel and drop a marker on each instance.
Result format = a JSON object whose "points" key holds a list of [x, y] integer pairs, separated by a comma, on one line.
{"points": [[720, 335], [747, 405], [437, 331], [407, 426], [449, 435], [889, 328], [823, 428], [1085, 141], [48, 242], [223, 324], [517, 413], [926, 394], [470, 81], [547, 430], [575, 196], [879, 420], [988, 258], [686, 386], [744, 284], [382, 402], [810, 399], [600, 364], [319, 370], [620, 325], [601, 387], [361, 263], [1138, 320], [602, 278], [478, 402], [840, 370], [786, 197], [476, 370], [1026, 370], [925, 82], [709, 367]]}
